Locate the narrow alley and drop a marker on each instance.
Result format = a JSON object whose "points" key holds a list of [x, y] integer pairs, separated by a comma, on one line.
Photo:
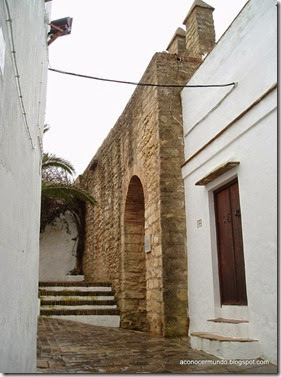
{"points": [[70, 347]]}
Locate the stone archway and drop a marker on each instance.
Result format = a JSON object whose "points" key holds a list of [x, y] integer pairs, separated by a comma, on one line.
{"points": [[133, 269]]}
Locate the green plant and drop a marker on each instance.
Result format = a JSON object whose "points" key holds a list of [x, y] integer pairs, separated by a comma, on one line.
{"points": [[60, 195]]}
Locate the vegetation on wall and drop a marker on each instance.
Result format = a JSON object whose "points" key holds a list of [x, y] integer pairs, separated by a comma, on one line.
{"points": [[61, 195]]}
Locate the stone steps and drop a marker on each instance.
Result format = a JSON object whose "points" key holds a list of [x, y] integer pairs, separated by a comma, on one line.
{"points": [[74, 283], [234, 328], [64, 297], [226, 338], [75, 293], [59, 311], [80, 289], [81, 301]]}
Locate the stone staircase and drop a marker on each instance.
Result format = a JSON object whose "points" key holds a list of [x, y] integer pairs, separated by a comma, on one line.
{"points": [[227, 339], [92, 303]]}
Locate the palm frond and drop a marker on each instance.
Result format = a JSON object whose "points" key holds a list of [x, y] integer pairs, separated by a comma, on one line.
{"points": [[51, 160], [66, 192]]}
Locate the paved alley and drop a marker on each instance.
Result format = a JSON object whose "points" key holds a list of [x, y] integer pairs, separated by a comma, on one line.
{"points": [[72, 347]]}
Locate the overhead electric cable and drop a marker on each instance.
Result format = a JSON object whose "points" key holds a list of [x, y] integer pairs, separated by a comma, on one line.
{"points": [[141, 83]]}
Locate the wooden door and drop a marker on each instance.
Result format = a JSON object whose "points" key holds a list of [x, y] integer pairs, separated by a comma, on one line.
{"points": [[230, 245]]}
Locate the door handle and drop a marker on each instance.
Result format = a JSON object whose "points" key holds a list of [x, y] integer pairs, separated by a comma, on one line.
{"points": [[237, 213]]}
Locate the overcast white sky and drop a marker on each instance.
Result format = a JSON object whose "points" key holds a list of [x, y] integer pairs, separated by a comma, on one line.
{"points": [[113, 39]]}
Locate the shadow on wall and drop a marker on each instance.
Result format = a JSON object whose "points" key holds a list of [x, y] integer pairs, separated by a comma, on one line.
{"points": [[133, 295]]}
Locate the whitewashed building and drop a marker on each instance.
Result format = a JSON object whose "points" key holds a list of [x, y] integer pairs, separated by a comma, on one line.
{"points": [[58, 250], [23, 76], [230, 177]]}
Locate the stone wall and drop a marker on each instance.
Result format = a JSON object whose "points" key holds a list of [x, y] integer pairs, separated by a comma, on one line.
{"points": [[200, 30], [136, 179]]}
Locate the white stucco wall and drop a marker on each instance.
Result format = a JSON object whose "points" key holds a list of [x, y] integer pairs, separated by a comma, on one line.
{"points": [[58, 245], [245, 54], [20, 181]]}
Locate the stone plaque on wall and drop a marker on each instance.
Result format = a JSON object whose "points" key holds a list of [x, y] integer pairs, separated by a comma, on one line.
{"points": [[147, 243]]}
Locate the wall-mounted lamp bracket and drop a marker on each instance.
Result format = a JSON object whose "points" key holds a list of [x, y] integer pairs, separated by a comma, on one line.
{"points": [[58, 28]]}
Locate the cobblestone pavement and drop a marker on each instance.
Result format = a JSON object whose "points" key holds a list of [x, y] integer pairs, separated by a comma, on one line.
{"points": [[72, 347]]}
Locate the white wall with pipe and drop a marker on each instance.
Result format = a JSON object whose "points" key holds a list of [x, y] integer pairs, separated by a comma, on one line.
{"points": [[23, 77], [245, 54]]}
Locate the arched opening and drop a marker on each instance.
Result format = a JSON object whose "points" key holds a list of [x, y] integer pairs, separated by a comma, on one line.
{"points": [[133, 281]]}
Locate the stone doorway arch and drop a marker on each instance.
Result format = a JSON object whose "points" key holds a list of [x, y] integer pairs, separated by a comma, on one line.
{"points": [[133, 260]]}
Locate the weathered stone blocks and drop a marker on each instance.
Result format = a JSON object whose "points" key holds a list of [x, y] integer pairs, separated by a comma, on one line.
{"points": [[136, 179]]}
